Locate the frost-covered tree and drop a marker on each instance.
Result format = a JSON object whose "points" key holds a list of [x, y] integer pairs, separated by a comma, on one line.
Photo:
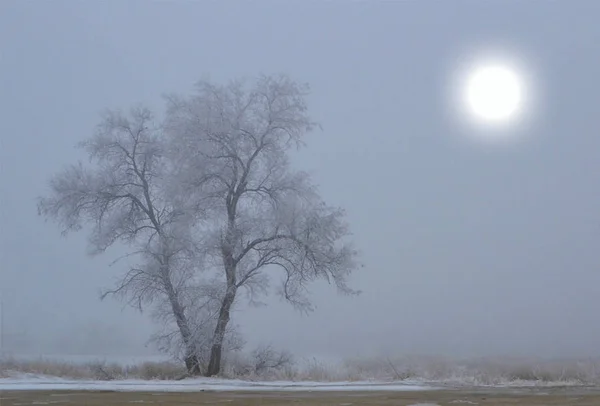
{"points": [[231, 144], [121, 195]]}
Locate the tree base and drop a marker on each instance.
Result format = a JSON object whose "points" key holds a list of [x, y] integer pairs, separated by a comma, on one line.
{"points": [[192, 364]]}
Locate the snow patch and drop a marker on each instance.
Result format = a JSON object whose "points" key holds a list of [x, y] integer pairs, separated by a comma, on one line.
{"points": [[198, 385]]}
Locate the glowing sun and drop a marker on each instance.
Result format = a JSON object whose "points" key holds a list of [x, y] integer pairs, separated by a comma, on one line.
{"points": [[494, 93]]}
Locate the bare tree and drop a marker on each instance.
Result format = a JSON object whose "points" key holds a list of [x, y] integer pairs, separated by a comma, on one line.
{"points": [[121, 194], [231, 144]]}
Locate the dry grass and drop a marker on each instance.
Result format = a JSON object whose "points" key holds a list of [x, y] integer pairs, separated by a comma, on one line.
{"points": [[436, 370], [497, 371], [93, 370], [441, 398]]}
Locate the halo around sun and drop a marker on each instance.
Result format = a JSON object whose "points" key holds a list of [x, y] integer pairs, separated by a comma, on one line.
{"points": [[492, 96]]}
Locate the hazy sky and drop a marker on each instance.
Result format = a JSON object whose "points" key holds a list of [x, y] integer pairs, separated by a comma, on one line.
{"points": [[469, 249]]}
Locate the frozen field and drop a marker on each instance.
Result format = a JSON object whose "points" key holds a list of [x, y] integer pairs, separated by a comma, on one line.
{"points": [[49, 371], [22, 389]]}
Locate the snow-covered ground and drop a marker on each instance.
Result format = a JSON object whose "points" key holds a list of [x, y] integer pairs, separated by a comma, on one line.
{"points": [[31, 382]]}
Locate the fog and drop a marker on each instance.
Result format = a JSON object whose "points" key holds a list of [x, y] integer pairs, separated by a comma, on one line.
{"points": [[469, 249]]}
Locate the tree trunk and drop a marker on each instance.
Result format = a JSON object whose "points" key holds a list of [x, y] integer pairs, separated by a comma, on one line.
{"points": [[192, 364], [216, 351]]}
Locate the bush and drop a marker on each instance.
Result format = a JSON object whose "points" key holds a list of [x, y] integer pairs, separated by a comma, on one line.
{"points": [[263, 363], [158, 370]]}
